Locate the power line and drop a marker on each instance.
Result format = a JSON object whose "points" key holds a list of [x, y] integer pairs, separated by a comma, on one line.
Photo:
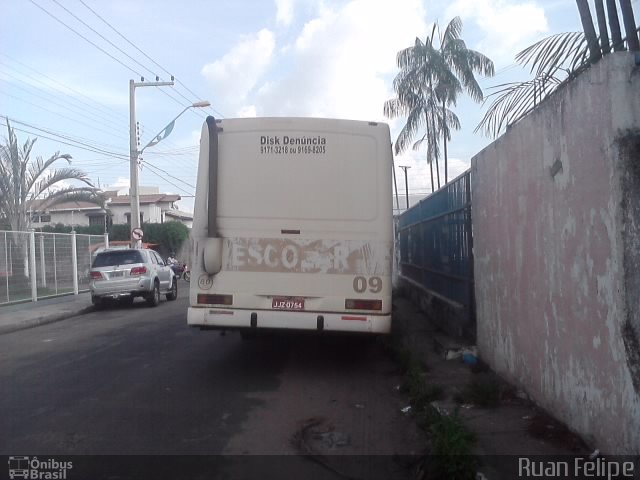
{"points": [[102, 50], [143, 53], [94, 171], [168, 174], [118, 117], [104, 108], [102, 36], [64, 106], [86, 39], [76, 145], [152, 168], [93, 127], [65, 136], [178, 151]]}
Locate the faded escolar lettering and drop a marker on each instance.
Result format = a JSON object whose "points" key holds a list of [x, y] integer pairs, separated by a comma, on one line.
{"points": [[306, 256]]}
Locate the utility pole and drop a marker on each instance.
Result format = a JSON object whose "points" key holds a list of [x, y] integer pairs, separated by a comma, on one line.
{"points": [[395, 183], [406, 183], [134, 195]]}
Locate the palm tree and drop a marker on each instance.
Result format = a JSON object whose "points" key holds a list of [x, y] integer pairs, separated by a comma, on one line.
{"points": [[420, 107], [22, 181], [602, 27], [590, 32], [630, 25], [614, 23], [555, 61], [460, 64], [443, 73]]}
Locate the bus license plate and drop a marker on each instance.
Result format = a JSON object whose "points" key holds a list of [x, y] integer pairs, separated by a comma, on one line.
{"points": [[287, 303]]}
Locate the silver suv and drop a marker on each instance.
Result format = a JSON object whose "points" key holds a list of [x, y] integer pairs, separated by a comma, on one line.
{"points": [[123, 274]]}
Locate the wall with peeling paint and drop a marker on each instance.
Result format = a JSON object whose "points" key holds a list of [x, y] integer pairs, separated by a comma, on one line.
{"points": [[557, 257]]}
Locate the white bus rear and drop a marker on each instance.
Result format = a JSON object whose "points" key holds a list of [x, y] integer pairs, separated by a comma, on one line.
{"points": [[292, 226]]}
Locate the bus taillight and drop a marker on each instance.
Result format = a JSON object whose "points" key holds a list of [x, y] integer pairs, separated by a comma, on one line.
{"points": [[354, 304]]}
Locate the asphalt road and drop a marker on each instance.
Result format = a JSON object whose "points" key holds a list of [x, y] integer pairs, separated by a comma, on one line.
{"points": [[138, 381]]}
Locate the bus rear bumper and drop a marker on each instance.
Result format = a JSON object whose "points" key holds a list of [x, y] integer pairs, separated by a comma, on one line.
{"points": [[276, 319]]}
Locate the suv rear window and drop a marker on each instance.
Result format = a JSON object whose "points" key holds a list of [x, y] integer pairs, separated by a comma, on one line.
{"points": [[124, 257]]}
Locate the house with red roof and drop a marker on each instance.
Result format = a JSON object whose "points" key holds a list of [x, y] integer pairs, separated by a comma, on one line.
{"points": [[155, 207]]}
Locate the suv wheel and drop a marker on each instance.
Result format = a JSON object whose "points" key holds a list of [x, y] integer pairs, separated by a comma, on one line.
{"points": [[153, 299], [173, 293], [97, 302]]}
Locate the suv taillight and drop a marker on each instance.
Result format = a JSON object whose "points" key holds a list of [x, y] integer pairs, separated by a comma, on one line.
{"points": [[138, 270], [95, 275]]}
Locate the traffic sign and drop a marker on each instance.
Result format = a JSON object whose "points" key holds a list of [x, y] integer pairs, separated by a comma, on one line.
{"points": [[137, 234]]}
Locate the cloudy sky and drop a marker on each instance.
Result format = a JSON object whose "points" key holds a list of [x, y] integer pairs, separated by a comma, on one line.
{"points": [[65, 67]]}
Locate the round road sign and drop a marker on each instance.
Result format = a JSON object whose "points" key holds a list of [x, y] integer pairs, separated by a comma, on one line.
{"points": [[137, 234]]}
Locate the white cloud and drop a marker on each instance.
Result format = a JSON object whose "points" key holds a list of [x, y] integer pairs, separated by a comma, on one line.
{"points": [[340, 63], [419, 173], [247, 111], [506, 27], [236, 73], [121, 185], [284, 12]]}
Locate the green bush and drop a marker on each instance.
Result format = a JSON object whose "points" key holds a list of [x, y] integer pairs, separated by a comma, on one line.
{"points": [[483, 392], [83, 230], [167, 236], [452, 449]]}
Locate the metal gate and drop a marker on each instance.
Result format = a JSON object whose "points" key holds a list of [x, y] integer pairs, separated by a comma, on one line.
{"points": [[436, 245]]}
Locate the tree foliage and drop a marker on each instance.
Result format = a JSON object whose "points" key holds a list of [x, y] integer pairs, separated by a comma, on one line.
{"points": [[555, 61], [167, 236], [432, 75], [170, 235], [23, 180]]}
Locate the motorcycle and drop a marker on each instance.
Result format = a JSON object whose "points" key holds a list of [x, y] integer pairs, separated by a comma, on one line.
{"points": [[182, 271]]}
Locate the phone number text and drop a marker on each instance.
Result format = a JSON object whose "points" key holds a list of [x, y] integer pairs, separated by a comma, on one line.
{"points": [[292, 149]]}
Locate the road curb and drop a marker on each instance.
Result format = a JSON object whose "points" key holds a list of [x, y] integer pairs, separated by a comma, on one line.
{"points": [[43, 320]]}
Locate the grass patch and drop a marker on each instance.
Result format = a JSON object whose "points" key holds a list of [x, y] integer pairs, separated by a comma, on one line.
{"points": [[420, 392], [451, 452], [414, 383], [484, 393]]}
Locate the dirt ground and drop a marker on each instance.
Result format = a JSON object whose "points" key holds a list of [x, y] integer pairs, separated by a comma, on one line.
{"points": [[336, 396]]}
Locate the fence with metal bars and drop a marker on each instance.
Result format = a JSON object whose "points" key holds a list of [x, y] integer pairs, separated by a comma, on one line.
{"points": [[35, 265], [436, 245]]}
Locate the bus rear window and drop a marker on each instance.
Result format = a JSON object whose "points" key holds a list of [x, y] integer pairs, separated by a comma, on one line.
{"points": [[337, 182]]}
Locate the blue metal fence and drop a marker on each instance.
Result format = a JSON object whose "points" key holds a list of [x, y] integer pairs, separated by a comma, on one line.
{"points": [[436, 245]]}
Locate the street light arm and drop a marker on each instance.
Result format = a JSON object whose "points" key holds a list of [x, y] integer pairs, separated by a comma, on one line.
{"points": [[153, 140], [157, 140]]}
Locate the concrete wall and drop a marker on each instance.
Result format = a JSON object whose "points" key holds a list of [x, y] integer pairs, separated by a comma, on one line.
{"points": [[557, 258], [77, 218], [151, 213]]}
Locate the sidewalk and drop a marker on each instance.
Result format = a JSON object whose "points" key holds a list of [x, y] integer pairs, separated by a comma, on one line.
{"points": [[509, 424], [30, 314]]}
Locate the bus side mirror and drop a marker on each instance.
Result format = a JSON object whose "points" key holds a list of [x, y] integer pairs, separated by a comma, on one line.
{"points": [[213, 255]]}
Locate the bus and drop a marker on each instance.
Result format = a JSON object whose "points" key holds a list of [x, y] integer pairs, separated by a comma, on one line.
{"points": [[292, 226]]}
